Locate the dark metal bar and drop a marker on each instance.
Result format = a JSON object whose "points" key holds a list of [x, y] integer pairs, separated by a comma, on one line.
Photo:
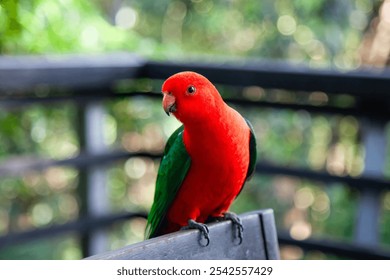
{"points": [[84, 224], [82, 186], [95, 71], [281, 76], [66, 71], [338, 248], [369, 85], [110, 95], [363, 182], [19, 166]]}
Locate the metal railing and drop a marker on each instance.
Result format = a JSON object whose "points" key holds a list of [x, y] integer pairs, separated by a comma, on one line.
{"points": [[88, 80]]}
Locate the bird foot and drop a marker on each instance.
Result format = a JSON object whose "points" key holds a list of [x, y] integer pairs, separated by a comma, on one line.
{"points": [[204, 230], [236, 221]]}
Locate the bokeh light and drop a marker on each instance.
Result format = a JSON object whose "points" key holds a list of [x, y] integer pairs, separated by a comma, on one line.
{"points": [[126, 18]]}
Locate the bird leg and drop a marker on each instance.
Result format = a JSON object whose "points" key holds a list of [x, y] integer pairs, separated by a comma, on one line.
{"points": [[236, 221], [204, 230], [229, 216]]}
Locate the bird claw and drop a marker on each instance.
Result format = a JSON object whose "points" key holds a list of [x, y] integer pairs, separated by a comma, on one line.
{"points": [[204, 230], [236, 221]]}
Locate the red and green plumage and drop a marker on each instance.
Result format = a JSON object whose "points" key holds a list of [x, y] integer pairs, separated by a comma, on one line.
{"points": [[206, 161]]}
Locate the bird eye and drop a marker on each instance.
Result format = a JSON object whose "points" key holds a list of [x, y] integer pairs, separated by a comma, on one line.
{"points": [[191, 89]]}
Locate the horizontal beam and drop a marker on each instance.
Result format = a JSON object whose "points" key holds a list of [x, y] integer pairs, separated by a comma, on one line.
{"points": [[81, 225], [372, 83], [66, 71], [362, 182], [338, 248], [96, 71], [91, 223], [19, 165], [94, 75], [108, 94]]}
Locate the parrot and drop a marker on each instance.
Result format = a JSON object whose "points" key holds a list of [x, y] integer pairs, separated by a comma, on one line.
{"points": [[206, 161]]}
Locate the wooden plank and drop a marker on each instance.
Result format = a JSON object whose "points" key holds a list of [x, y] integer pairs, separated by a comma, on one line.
{"points": [[259, 242]]}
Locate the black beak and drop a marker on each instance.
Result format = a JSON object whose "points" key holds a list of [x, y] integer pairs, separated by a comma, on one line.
{"points": [[170, 109]]}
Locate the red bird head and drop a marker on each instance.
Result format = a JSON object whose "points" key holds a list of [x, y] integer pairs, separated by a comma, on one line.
{"points": [[190, 96]]}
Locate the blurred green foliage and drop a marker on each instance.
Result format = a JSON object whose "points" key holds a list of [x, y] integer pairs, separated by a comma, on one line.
{"points": [[317, 32]]}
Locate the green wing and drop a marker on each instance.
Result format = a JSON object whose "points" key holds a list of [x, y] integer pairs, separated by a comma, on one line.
{"points": [[173, 169], [252, 152], [252, 155]]}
